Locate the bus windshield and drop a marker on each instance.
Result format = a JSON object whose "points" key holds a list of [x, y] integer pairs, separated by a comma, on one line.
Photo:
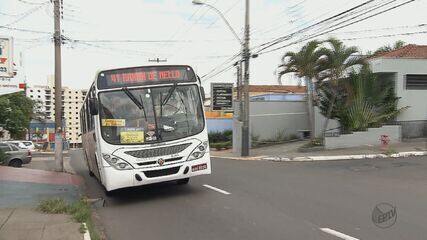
{"points": [[150, 115]]}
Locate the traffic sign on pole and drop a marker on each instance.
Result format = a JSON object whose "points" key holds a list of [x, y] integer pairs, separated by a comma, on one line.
{"points": [[222, 96]]}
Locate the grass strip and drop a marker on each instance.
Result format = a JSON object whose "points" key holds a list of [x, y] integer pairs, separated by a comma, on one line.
{"points": [[80, 212]]}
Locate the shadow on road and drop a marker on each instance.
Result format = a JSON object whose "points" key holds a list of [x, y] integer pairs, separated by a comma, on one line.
{"points": [[153, 192]]}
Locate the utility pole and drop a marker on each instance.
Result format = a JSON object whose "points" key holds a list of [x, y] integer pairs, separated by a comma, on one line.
{"points": [[246, 57], [238, 65], [58, 86]]}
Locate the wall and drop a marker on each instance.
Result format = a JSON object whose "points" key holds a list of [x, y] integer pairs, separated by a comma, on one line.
{"points": [[416, 99], [271, 119], [219, 124], [370, 137]]}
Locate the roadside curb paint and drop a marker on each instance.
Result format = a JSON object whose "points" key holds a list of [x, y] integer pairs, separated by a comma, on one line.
{"points": [[86, 235], [326, 158], [345, 157]]}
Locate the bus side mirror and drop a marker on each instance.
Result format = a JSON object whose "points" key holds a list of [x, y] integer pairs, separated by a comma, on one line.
{"points": [[93, 106], [202, 91]]}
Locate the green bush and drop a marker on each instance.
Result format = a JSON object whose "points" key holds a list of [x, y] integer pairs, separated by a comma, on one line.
{"points": [[362, 101], [224, 136], [221, 145]]}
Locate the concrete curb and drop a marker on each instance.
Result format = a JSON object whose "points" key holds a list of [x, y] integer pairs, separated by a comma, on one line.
{"points": [[254, 158], [344, 157], [86, 235]]}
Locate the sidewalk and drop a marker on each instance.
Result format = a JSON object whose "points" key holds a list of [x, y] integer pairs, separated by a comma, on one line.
{"points": [[289, 151], [27, 224], [21, 190]]}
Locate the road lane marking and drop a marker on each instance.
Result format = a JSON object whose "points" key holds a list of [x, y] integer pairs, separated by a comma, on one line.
{"points": [[338, 234], [216, 189]]}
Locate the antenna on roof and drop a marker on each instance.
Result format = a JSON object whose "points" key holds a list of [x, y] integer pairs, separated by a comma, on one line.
{"points": [[157, 60]]}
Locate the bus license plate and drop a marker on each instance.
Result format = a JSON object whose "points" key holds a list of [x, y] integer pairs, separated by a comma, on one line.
{"points": [[199, 167]]}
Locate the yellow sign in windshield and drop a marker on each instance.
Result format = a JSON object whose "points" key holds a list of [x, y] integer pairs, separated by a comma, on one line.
{"points": [[113, 122], [132, 137]]}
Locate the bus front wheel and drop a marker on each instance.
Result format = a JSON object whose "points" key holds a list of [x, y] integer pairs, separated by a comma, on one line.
{"points": [[183, 181]]}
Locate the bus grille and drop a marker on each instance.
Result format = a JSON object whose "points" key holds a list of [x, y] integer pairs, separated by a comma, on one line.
{"points": [[161, 172], [169, 160], [155, 152]]}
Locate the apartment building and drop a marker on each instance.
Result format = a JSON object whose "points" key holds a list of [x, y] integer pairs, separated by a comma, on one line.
{"points": [[72, 100]]}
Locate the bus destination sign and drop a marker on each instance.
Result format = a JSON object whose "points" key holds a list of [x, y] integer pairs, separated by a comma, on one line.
{"points": [[144, 76]]}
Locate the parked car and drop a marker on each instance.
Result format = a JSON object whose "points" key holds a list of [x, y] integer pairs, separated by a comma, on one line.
{"points": [[14, 156], [24, 145]]}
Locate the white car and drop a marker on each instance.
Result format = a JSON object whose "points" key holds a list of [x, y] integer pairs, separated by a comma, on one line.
{"points": [[24, 145]]}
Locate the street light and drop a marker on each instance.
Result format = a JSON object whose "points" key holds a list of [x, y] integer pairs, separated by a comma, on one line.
{"points": [[244, 112], [198, 2]]}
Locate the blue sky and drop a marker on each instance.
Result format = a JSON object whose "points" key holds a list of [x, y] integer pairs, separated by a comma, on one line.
{"points": [[200, 38]]}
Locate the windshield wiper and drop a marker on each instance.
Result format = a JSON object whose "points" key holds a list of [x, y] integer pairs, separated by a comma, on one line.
{"points": [[171, 90], [138, 103]]}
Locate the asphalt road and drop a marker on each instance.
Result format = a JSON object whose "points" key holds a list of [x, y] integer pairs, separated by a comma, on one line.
{"points": [[269, 200]]}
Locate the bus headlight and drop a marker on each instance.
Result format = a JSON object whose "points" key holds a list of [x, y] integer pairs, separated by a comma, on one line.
{"points": [[116, 162], [199, 151]]}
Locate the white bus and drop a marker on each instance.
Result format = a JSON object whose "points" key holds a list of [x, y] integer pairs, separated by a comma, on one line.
{"points": [[145, 125]]}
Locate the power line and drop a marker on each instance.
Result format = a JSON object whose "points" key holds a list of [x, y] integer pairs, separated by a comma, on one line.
{"points": [[26, 14], [331, 30], [131, 41], [24, 30], [364, 12], [32, 3], [382, 29], [306, 28], [278, 40], [224, 13], [386, 35], [222, 64]]}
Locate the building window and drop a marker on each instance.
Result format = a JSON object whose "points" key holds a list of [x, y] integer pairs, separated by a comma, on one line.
{"points": [[416, 81]]}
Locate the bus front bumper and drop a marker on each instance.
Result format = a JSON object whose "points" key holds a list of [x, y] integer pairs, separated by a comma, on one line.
{"points": [[116, 179]]}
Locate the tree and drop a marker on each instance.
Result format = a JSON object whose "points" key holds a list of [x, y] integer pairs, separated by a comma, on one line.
{"points": [[336, 62], [305, 64], [15, 113]]}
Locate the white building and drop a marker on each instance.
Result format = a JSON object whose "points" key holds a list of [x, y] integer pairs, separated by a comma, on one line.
{"points": [[407, 68], [72, 101]]}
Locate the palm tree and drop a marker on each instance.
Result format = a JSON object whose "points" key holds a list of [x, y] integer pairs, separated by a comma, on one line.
{"points": [[335, 64], [305, 64]]}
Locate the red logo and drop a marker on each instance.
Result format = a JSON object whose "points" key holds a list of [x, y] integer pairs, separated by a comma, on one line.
{"points": [[161, 161], [3, 60]]}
